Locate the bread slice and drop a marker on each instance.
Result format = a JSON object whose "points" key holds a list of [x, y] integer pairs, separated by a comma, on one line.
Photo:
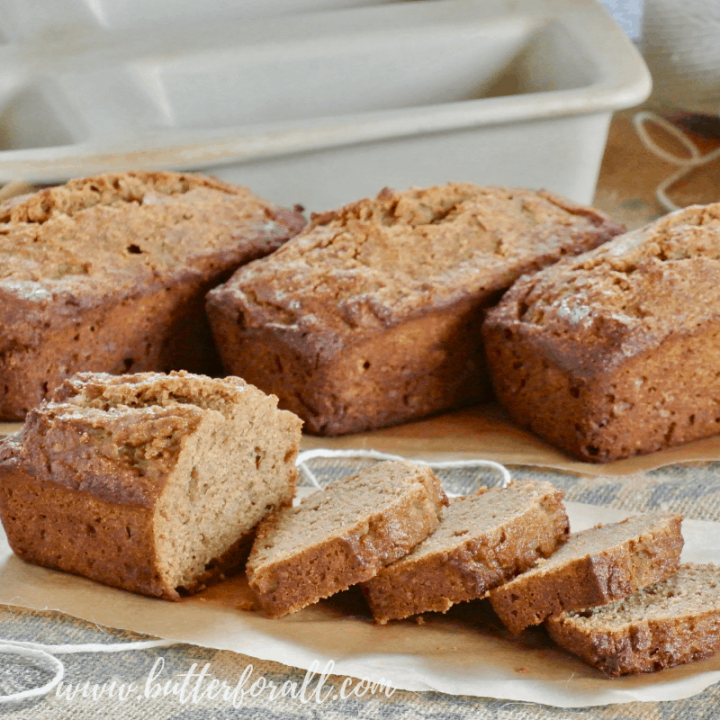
{"points": [[483, 540], [342, 535], [594, 567], [148, 482], [671, 623]]}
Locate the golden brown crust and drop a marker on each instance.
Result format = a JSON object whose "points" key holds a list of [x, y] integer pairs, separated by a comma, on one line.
{"points": [[611, 354], [471, 552], [594, 567], [373, 381], [58, 527], [110, 274], [370, 316]]}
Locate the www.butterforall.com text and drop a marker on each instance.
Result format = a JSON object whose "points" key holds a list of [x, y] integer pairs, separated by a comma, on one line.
{"points": [[198, 685]]}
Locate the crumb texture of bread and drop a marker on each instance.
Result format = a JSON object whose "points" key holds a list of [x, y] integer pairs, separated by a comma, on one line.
{"points": [[149, 482], [671, 623], [110, 273], [612, 353], [482, 541], [594, 567], [370, 316], [342, 535]]}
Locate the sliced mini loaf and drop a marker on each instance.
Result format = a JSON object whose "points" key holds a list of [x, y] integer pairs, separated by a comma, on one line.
{"points": [[483, 540], [671, 623], [148, 482], [343, 535], [593, 567]]}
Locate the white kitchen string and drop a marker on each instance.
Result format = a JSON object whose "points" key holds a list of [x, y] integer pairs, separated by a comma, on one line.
{"points": [[686, 164], [306, 455], [44, 655]]}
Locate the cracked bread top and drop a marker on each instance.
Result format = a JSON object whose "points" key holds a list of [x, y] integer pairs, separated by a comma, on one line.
{"points": [[115, 230], [592, 312], [117, 437], [383, 259]]}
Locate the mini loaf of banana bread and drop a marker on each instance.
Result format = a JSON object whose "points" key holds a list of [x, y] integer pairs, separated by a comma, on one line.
{"points": [[152, 483], [614, 353], [671, 623], [343, 535], [483, 540], [370, 317], [110, 273], [593, 567]]}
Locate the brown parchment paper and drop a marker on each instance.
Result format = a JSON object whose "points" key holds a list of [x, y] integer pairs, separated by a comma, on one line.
{"points": [[486, 432], [465, 652]]}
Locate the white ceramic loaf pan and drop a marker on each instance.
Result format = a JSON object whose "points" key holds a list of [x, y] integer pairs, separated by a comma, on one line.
{"points": [[317, 107]]}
